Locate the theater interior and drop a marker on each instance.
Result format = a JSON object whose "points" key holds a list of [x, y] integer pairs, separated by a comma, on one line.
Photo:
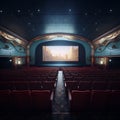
{"points": [[59, 60]]}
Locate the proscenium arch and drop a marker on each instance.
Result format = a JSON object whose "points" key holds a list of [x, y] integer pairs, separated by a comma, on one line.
{"points": [[51, 37]]}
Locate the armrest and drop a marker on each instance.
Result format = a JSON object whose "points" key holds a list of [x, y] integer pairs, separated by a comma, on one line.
{"points": [[55, 84], [69, 95], [52, 95], [65, 84]]}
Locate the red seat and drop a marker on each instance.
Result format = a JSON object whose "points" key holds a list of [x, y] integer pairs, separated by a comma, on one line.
{"points": [[35, 85], [5, 100], [114, 85], [114, 102], [72, 85], [85, 85], [99, 85], [99, 99], [5, 85], [20, 85], [21, 100], [48, 85], [79, 100], [41, 100]]}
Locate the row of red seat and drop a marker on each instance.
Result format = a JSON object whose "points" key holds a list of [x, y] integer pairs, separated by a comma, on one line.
{"points": [[29, 74], [95, 100], [92, 89], [27, 85], [98, 78], [91, 77], [26, 100], [92, 85], [90, 73], [29, 78], [27, 89]]}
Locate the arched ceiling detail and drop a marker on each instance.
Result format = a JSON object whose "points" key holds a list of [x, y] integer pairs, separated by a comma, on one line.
{"points": [[9, 36], [61, 35], [105, 39]]}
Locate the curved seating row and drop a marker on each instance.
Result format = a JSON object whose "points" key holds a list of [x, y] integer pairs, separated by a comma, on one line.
{"points": [[94, 100], [27, 85], [94, 85], [26, 100]]}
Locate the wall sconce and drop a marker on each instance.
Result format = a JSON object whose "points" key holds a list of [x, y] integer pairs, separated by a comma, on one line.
{"points": [[19, 62], [101, 62]]}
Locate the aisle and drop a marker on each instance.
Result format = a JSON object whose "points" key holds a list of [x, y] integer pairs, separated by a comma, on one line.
{"points": [[60, 103]]}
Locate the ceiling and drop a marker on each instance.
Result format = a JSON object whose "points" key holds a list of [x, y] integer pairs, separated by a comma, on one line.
{"points": [[87, 18]]}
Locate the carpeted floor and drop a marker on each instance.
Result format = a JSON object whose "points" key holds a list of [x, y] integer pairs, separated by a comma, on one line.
{"points": [[60, 103]]}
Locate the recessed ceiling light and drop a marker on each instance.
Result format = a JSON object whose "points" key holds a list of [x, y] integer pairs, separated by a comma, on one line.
{"points": [[1, 11], [18, 11]]}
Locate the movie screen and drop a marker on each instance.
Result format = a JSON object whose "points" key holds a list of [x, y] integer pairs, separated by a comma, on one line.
{"points": [[60, 53]]}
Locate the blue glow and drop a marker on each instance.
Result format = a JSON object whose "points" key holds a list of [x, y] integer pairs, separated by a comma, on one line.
{"points": [[59, 24], [59, 28]]}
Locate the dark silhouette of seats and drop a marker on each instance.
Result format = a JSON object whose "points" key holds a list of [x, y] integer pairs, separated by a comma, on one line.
{"points": [[114, 100], [35, 85], [85, 85], [114, 85], [41, 100], [5, 85], [21, 100], [99, 85], [20, 85], [99, 100], [72, 85], [5, 100], [79, 100], [48, 85]]}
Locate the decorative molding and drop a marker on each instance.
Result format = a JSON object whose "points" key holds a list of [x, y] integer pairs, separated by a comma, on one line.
{"points": [[64, 35], [7, 35], [6, 46], [114, 46], [105, 39]]}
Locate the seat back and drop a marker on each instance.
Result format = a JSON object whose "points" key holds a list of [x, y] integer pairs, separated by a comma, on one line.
{"points": [[114, 85], [114, 102], [99, 99], [5, 100], [85, 85], [20, 85], [72, 85], [80, 100], [99, 85], [35, 85], [21, 100], [48, 85], [41, 100]]}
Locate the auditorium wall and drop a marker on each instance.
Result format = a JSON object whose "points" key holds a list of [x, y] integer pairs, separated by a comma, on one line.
{"points": [[104, 54], [15, 54]]}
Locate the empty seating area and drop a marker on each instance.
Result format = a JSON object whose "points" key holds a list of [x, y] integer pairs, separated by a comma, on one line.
{"points": [[94, 100], [32, 89], [28, 79], [26, 100], [90, 78], [92, 89], [27, 89]]}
